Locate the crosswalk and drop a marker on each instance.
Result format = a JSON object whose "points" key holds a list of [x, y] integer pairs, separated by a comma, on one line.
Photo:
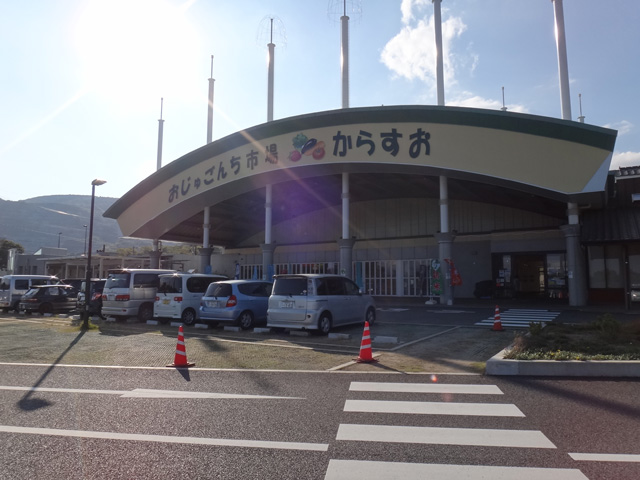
{"points": [[413, 436], [521, 317]]}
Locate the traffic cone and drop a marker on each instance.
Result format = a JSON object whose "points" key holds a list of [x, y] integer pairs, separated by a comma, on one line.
{"points": [[180, 359], [497, 324], [365, 347]]}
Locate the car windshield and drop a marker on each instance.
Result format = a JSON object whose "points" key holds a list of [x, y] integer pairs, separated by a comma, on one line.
{"points": [[290, 286], [170, 285], [219, 290]]}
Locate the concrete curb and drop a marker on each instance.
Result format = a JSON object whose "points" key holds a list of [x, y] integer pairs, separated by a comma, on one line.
{"points": [[498, 365]]}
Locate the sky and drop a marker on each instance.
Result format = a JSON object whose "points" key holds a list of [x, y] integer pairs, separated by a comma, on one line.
{"points": [[82, 80]]}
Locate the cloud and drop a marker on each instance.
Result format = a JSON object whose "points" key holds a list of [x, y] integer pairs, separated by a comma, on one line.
{"points": [[623, 127], [625, 159], [412, 52]]}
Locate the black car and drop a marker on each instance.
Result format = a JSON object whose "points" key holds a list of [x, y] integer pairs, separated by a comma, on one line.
{"points": [[48, 299], [95, 296]]}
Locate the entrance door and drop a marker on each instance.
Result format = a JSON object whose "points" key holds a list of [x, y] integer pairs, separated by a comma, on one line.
{"points": [[528, 277]]}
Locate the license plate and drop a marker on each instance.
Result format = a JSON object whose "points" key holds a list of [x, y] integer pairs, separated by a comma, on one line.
{"points": [[165, 301], [213, 303], [284, 304]]}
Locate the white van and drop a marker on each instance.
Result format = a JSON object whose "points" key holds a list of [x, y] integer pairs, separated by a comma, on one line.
{"points": [[130, 292], [179, 295], [12, 287]]}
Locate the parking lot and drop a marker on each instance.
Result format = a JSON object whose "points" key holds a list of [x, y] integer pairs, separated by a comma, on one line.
{"points": [[403, 340]]}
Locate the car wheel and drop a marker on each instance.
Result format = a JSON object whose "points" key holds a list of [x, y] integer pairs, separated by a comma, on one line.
{"points": [[245, 320], [45, 308], [189, 316], [145, 312], [371, 316], [324, 324]]}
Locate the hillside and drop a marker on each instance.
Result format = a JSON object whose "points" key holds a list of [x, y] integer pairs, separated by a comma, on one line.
{"points": [[37, 222]]}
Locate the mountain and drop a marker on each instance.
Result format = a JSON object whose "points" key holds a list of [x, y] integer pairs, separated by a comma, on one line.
{"points": [[61, 220]]}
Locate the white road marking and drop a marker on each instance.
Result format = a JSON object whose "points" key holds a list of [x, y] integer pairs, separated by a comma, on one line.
{"points": [[146, 393], [605, 457], [444, 436], [434, 408], [424, 388], [219, 442], [350, 469]]}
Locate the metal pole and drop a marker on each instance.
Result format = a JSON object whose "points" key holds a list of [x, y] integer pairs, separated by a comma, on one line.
{"points": [[87, 285]]}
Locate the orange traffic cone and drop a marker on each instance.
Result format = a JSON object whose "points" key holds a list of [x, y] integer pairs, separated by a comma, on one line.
{"points": [[180, 359], [365, 347], [497, 324]]}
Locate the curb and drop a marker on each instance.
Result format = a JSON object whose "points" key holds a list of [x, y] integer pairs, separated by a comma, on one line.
{"points": [[498, 365]]}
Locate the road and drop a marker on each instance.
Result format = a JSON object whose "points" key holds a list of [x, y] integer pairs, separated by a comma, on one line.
{"points": [[70, 422]]}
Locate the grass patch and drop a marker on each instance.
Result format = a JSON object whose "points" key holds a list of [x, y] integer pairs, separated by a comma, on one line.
{"points": [[604, 339]]}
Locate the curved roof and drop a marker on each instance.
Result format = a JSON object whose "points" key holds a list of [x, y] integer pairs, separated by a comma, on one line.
{"points": [[537, 163]]}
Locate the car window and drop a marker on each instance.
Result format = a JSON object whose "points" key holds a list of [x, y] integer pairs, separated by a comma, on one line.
{"points": [[145, 280], [118, 280], [335, 285], [290, 286], [23, 284], [219, 290], [350, 287], [199, 284], [255, 289], [170, 285], [322, 287]]}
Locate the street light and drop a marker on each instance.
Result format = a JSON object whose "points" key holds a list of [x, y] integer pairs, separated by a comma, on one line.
{"points": [[85, 240], [87, 285]]}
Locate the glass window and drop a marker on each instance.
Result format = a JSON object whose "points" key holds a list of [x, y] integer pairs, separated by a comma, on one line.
{"points": [[290, 286], [634, 266], [351, 288], [613, 264], [335, 285], [170, 285], [218, 290], [22, 284], [597, 277], [145, 280], [118, 280]]}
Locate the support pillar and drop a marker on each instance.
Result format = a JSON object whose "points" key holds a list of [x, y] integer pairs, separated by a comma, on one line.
{"points": [[346, 256], [576, 266], [267, 259], [205, 259], [154, 258], [444, 251]]}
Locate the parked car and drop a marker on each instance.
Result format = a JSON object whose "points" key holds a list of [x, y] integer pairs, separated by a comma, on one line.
{"points": [[76, 283], [12, 287], [95, 296], [318, 302], [240, 302], [131, 291], [48, 299], [179, 295]]}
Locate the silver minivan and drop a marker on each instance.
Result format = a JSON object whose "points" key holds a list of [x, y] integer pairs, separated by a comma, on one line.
{"points": [[12, 287], [179, 295], [130, 292], [318, 302]]}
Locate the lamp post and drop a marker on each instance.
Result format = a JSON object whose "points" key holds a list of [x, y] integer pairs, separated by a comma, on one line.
{"points": [[85, 240], [87, 285]]}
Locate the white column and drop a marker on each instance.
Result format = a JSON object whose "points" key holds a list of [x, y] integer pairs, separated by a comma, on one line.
{"points": [[344, 60], [563, 69], [267, 214], [345, 205], [437, 22]]}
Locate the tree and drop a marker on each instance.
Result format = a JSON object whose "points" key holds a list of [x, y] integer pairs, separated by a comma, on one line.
{"points": [[5, 246]]}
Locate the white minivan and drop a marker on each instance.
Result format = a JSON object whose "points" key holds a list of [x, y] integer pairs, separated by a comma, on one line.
{"points": [[12, 287], [130, 292], [179, 295]]}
